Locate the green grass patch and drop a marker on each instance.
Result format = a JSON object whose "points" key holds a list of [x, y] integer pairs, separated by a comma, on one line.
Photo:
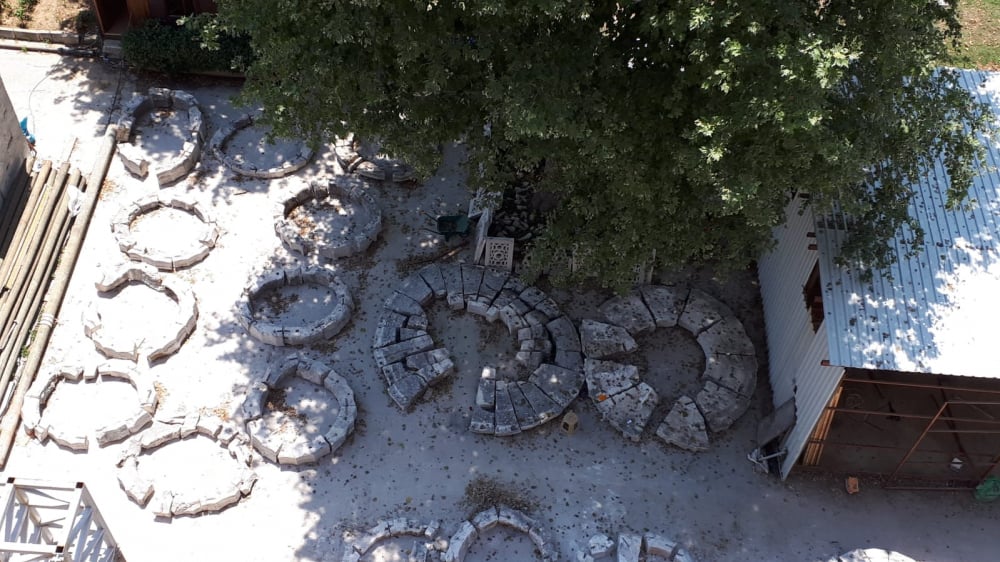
{"points": [[980, 35]]}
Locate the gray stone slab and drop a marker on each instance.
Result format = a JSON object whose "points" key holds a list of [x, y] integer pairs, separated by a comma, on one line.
{"points": [[629, 312], [561, 385], [513, 320], [720, 406], [629, 411], [460, 543], [505, 297], [400, 351], [701, 311], [608, 378], [431, 274], [452, 275], [549, 308], [410, 333], [600, 340], [417, 322], [505, 416], [536, 318], [472, 278], [403, 304], [526, 416], [572, 360], [416, 288], [664, 303], [482, 422], [486, 394], [493, 283], [564, 334], [600, 545], [532, 296], [515, 519], [629, 547], [737, 373], [486, 519], [515, 284], [407, 390], [684, 427], [394, 372], [544, 407], [726, 336]]}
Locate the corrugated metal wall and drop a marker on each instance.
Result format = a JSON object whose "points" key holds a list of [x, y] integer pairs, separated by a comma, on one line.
{"points": [[794, 350]]}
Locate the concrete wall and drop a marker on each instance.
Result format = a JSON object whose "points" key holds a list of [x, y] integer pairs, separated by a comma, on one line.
{"points": [[13, 153], [795, 351]]}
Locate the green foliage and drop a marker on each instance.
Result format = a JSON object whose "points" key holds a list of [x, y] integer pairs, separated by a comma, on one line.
{"points": [[181, 47], [681, 127], [23, 11]]}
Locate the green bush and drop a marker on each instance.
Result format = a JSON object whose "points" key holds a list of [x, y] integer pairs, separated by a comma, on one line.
{"points": [[178, 47]]}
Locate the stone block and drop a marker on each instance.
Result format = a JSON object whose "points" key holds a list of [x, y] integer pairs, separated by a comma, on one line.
{"points": [[726, 336], [158, 434], [629, 547], [486, 394], [601, 340], [505, 297], [260, 437], [515, 519], [663, 547], [410, 333], [559, 384], [482, 422], [607, 378], [303, 451], [407, 390], [417, 322], [531, 360], [532, 296], [629, 312], [478, 307], [209, 425], [701, 311], [544, 407], [403, 304], [417, 289], [472, 277], [493, 283], [720, 406], [684, 427], [600, 545], [486, 519], [135, 487], [564, 334], [394, 372], [455, 301], [572, 360], [460, 542], [737, 373], [511, 319], [505, 415], [431, 274], [526, 416], [400, 351], [536, 318], [452, 275], [436, 372], [664, 303]]}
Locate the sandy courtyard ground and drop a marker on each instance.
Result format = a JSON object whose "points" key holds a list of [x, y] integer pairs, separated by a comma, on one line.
{"points": [[413, 464]]}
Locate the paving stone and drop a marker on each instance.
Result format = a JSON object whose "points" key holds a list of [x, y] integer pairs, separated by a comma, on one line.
{"points": [[407, 390], [541, 345], [417, 289], [477, 307], [512, 320], [472, 278], [663, 547], [549, 308], [135, 486], [452, 274], [303, 451], [684, 427], [543, 406], [431, 274], [701, 311], [664, 303], [410, 333], [531, 360], [608, 378], [526, 416], [564, 334], [629, 312], [403, 304], [486, 519], [419, 552], [493, 283], [505, 297], [720, 406], [600, 340], [519, 306], [536, 318], [505, 416], [482, 422], [393, 372], [261, 439], [460, 542], [532, 296], [455, 301], [737, 373], [515, 519], [158, 434], [600, 545], [561, 385], [436, 372], [486, 394], [629, 547], [726, 336]]}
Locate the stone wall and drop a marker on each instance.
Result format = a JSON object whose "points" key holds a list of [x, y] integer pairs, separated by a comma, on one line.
{"points": [[13, 153]]}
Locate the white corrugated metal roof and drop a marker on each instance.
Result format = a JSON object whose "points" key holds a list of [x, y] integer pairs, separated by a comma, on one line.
{"points": [[940, 310]]}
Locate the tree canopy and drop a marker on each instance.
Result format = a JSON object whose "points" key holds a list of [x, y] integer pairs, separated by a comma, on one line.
{"points": [[679, 126]]}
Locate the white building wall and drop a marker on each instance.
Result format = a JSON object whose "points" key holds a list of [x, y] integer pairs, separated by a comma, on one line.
{"points": [[795, 352]]}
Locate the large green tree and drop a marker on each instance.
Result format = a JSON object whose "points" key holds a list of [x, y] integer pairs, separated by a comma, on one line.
{"points": [[680, 126]]}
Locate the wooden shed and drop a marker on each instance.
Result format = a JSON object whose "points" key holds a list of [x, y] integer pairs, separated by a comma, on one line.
{"points": [[895, 375]]}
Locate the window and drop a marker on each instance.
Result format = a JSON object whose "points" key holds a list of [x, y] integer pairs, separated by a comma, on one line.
{"points": [[813, 293]]}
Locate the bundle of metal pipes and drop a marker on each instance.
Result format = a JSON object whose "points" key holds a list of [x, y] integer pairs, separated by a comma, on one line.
{"points": [[40, 241]]}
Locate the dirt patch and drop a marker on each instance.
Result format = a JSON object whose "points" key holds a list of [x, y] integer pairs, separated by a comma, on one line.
{"points": [[50, 15], [483, 492]]}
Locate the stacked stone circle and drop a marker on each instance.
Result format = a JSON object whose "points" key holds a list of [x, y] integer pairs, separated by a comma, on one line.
{"points": [[358, 546], [352, 161], [350, 191], [278, 334], [36, 425], [221, 138], [180, 502], [627, 403], [487, 519], [204, 240], [303, 449], [182, 103], [633, 548], [549, 345], [133, 347]]}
